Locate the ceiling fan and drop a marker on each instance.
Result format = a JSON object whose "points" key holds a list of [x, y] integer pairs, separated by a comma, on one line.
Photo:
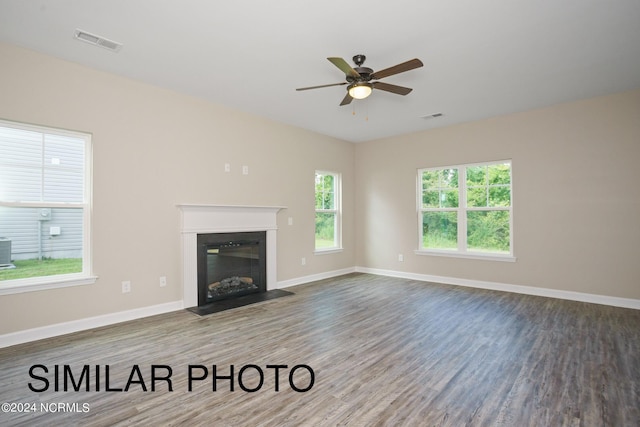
{"points": [[360, 79]]}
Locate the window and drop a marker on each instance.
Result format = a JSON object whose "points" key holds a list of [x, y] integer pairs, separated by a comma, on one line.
{"points": [[45, 193], [328, 227], [466, 210]]}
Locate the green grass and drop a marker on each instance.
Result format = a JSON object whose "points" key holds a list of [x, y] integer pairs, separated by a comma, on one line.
{"points": [[437, 241], [324, 243], [36, 268]]}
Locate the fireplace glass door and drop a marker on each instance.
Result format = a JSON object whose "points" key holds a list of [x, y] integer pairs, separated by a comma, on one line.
{"points": [[230, 265]]}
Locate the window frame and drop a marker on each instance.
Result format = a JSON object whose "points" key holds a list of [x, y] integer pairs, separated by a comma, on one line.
{"points": [[85, 277], [462, 250], [336, 211]]}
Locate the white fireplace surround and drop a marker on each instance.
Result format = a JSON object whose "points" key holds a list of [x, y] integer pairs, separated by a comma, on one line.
{"points": [[204, 219]]}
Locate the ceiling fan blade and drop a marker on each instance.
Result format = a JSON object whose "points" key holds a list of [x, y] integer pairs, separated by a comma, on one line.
{"points": [[345, 67], [400, 90], [396, 69], [347, 99], [318, 87]]}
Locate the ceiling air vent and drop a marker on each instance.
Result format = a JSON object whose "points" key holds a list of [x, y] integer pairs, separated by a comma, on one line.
{"points": [[97, 40]]}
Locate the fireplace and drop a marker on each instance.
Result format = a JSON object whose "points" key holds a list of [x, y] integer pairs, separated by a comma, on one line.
{"points": [[240, 246], [231, 265]]}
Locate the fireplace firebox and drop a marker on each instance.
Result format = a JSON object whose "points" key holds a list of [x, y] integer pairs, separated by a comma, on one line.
{"points": [[231, 265]]}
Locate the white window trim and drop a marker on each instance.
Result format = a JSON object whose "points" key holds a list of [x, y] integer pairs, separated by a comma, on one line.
{"points": [[489, 256], [337, 210], [462, 251], [42, 283], [86, 277], [328, 251]]}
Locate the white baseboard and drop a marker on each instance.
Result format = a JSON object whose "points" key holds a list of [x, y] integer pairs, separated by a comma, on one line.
{"points": [[58, 329], [314, 277], [88, 323], [28, 335], [519, 289]]}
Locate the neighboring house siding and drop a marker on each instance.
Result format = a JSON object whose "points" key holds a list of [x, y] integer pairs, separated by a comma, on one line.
{"points": [[22, 225], [64, 170]]}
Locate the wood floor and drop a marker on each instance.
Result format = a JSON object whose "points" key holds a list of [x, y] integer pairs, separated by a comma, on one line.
{"points": [[384, 352]]}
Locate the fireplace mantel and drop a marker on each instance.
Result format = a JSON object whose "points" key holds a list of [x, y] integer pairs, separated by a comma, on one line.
{"points": [[200, 219]]}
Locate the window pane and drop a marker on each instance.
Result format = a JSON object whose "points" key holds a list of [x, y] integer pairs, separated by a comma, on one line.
{"points": [[476, 196], [63, 169], [477, 175], [488, 231], [20, 184], [430, 179], [41, 167], [327, 189], [325, 192], [19, 146], [440, 179], [440, 230], [20, 165], [499, 174], [499, 196], [63, 185], [440, 188], [449, 178], [431, 199], [325, 230], [40, 241], [64, 151], [328, 182], [489, 185], [329, 198], [449, 199]]}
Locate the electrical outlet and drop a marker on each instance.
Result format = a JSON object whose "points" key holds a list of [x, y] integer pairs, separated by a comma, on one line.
{"points": [[163, 281], [290, 220], [245, 170], [126, 287], [303, 261], [400, 257], [227, 167]]}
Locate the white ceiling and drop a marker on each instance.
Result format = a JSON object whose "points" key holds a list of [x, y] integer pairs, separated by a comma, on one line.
{"points": [[482, 58]]}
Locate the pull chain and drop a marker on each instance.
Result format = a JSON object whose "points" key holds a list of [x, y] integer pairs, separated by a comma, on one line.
{"points": [[366, 117]]}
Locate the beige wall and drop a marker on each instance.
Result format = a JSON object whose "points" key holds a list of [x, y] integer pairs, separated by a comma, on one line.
{"points": [[154, 149], [576, 175]]}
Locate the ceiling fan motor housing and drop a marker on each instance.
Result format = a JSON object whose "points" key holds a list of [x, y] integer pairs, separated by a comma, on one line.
{"points": [[365, 72], [365, 75]]}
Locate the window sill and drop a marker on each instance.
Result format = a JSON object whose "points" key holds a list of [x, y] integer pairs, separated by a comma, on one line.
{"points": [[44, 283], [480, 256], [327, 251]]}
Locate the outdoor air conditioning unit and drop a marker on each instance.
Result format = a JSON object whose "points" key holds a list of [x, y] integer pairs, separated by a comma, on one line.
{"points": [[5, 251]]}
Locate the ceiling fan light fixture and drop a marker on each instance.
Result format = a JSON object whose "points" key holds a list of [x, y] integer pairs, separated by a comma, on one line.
{"points": [[360, 90]]}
